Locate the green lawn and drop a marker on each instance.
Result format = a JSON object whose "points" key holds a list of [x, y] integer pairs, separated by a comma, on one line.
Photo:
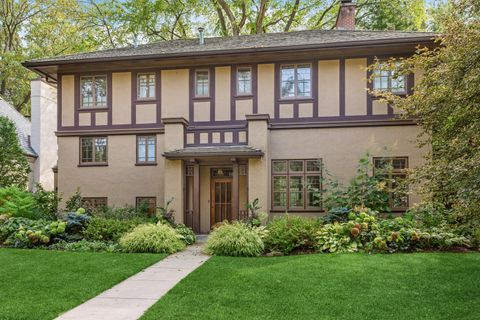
{"points": [[40, 284], [329, 286]]}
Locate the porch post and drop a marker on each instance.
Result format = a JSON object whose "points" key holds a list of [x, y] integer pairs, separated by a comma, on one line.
{"points": [[235, 193], [174, 185], [196, 197]]}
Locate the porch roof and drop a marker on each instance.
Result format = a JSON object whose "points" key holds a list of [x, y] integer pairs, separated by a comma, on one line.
{"points": [[214, 151]]}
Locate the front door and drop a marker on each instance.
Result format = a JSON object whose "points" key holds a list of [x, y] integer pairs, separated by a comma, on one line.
{"points": [[220, 199]]}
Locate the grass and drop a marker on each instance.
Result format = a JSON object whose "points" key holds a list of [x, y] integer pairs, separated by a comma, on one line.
{"points": [[40, 284], [330, 286]]}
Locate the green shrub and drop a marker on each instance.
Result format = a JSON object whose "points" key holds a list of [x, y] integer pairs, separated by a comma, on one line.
{"points": [[125, 213], [15, 202], [76, 221], [46, 203], [27, 233], [186, 234], [109, 229], [234, 239], [85, 246], [156, 238], [288, 233]]}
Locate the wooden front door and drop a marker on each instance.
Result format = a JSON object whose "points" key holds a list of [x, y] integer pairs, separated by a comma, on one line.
{"points": [[220, 200]]}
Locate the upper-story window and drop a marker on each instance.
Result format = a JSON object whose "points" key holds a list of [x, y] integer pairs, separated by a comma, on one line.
{"points": [[388, 80], [296, 81], [146, 86], [93, 92], [93, 150], [202, 83], [244, 81]]}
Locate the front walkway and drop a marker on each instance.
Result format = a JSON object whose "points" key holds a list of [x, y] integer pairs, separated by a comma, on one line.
{"points": [[129, 299]]}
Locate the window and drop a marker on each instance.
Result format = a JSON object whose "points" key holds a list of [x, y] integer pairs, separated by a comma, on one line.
{"points": [[93, 150], [296, 81], [146, 86], [93, 92], [95, 202], [202, 83], [393, 172], [244, 81], [148, 204], [388, 80], [146, 149], [296, 184]]}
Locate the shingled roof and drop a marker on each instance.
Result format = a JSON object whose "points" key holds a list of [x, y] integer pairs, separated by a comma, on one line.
{"points": [[244, 43], [21, 123]]}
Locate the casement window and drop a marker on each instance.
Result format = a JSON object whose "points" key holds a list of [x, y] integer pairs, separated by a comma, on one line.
{"points": [[149, 204], [296, 81], [244, 81], [93, 150], [146, 149], [388, 80], [93, 92], [392, 171], [95, 202], [296, 184], [146, 86], [202, 83]]}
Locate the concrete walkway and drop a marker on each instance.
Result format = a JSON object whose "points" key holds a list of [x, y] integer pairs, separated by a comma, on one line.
{"points": [[129, 299]]}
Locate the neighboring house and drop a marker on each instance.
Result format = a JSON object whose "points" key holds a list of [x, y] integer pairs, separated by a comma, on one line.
{"points": [[215, 123], [38, 138]]}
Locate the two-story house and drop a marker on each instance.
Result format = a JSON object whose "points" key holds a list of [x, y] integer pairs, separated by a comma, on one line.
{"points": [[217, 122]]}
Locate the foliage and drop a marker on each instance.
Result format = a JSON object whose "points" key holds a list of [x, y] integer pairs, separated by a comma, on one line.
{"points": [[23, 232], [14, 167], [46, 202], [125, 213], [288, 233], [85, 246], [17, 203], [102, 229], [75, 202], [187, 234], [255, 218], [446, 103], [156, 238], [164, 214], [234, 239], [338, 214], [365, 189], [76, 221]]}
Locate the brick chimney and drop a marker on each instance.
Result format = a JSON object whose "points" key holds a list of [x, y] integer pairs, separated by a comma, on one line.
{"points": [[346, 15]]}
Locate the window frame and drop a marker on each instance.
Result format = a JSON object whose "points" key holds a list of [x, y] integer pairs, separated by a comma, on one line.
{"points": [[196, 95], [243, 94], [146, 162], [93, 162], [304, 174], [137, 204], [139, 98], [295, 81], [389, 175], [389, 81], [93, 199], [94, 98]]}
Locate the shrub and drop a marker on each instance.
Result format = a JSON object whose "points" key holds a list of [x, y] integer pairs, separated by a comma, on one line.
{"points": [[164, 214], [15, 202], [157, 238], [125, 213], [76, 221], [85, 246], [23, 232], [46, 203], [288, 233], [108, 229], [75, 202], [234, 239], [338, 214], [186, 234]]}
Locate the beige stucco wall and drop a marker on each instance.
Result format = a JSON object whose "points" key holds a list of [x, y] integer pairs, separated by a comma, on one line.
{"points": [[328, 88], [266, 92], [121, 181], [175, 95], [68, 100], [222, 93], [242, 108], [122, 98], [85, 119], [379, 107], [341, 148], [146, 113], [355, 87], [259, 169], [201, 111]]}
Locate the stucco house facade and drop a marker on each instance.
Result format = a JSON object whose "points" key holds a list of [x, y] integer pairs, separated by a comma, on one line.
{"points": [[215, 123]]}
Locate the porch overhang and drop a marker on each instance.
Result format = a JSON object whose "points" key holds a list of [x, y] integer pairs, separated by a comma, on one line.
{"points": [[238, 152]]}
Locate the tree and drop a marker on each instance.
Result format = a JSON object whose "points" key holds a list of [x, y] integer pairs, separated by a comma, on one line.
{"points": [[446, 103], [14, 167]]}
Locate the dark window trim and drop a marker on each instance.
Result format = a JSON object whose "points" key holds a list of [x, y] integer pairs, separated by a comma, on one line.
{"points": [[93, 163], [154, 97], [146, 197], [207, 96], [295, 97], [94, 107], [394, 172], [247, 94], [146, 162], [304, 174], [389, 79], [87, 199]]}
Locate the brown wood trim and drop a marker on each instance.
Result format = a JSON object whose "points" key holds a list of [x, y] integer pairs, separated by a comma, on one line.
{"points": [[235, 192], [342, 88], [212, 197], [121, 131], [258, 117], [173, 155], [178, 120], [145, 163], [196, 197], [91, 164]]}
